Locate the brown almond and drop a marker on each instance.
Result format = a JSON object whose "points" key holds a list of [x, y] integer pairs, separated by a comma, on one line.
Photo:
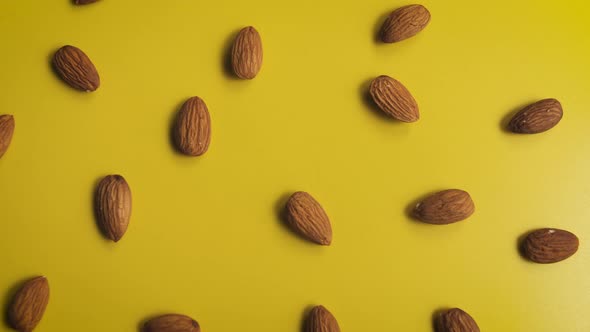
{"points": [[321, 320], [192, 130], [445, 207], [113, 206], [404, 23], [246, 53], [550, 245], [394, 99], [307, 217], [75, 68], [84, 2], [6, 132], [456, 320], [537, 117], [171, 323], [28, 304]]}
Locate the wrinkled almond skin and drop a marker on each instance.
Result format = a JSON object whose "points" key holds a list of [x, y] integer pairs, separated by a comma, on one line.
{"points": [[321, 320], [28, 304], [6, 132], [404, 22], [171, 323], [75, 68], [246, 53], [192, 130], [307, 217], [84, 2], [445, 207], [456, 320], [394, 99], [113, 206], [550, 245], [537, 117]]}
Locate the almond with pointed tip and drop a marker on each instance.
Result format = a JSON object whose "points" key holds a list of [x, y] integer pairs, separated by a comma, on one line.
{"points": [[113, 206], [246, 53], [171, 323], [192, 130], [321, 320], [75, 68], [6, 132], [537, 117], [445, 207], [456, 320], [28, 304], [307, 217], [550, 245], [394, 99], [404, 22]]}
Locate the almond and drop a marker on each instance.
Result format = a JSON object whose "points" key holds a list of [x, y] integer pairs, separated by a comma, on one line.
{"points": [[113, 206], [171, 323], [549, 245], [456, 320], [321, 320], [307, 217], [404, 23], [76, 69], [394, 99], [6, 131], [84, 2], [537, 117], [445, 207], [192, 130], [28, 304], [246, 53]]}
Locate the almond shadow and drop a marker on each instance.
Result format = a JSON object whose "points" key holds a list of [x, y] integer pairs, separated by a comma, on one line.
{"points": [[377, 28], [304, 316], [94, 207], [280, 210], [520, 240], [226, 64], [171, 127], [436, 316]]}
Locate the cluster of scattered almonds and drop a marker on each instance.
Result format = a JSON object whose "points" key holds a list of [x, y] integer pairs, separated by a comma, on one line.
{"points": [[192, 135]]}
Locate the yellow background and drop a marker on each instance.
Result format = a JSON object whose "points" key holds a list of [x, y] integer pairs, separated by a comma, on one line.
{"points": [[204, 238]]}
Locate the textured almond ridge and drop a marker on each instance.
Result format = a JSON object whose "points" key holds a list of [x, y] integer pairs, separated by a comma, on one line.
{"points": [[84, 2], [75, 68], [537, 117], [192, 130], [394, 99], [404, 23], [113, 206], [456, 320], [550, 245], [307, 217], [321, 320], [445, 207], [28, 304], [171, 323], [246, 53], [6, 132]]}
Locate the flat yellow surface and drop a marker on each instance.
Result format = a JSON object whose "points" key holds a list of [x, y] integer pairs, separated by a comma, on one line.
{"points": [[205, 239]]}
